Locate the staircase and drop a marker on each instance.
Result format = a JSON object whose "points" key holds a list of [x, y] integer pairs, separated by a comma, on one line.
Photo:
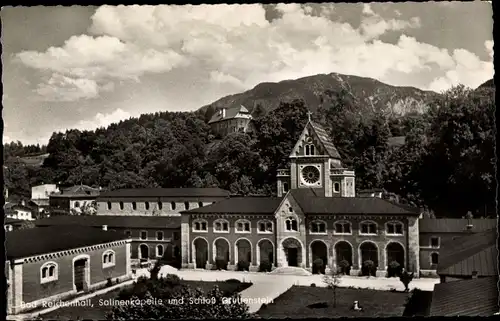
{"points": [[291, 270]]}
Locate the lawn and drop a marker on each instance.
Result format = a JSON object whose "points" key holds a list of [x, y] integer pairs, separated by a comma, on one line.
{"points": [[98, 312], [295, 303]]}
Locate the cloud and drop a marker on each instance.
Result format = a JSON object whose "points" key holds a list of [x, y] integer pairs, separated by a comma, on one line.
{"points": [[235, 44], [489, 48], [103, 120], [6, 139]]}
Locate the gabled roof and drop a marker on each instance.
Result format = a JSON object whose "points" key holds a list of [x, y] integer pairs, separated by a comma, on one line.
{"points": [[81, 190], [241, 205], [42, 240], [313, 203], [322, 136], [111, 221], [164, 192], [473, 297], [455, 225], [230, 113], [469, 253]]}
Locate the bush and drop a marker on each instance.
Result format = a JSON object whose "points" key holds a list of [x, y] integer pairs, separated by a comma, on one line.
{"points": [[233, 281], [313, 285], [265, 266], [394, 269], [221, 264], [109, 282], [172, 279], [368, 268], [345, 267], [243, 265], [318, 267]]}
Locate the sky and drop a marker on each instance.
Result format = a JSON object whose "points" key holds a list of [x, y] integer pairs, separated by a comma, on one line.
{"points": [[87, 67]]}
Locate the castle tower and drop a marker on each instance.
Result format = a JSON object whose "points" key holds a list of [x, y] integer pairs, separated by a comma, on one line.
{"points": [[315, 163]]}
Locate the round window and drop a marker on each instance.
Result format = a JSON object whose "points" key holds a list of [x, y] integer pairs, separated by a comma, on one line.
{"points": [[310, 175]]}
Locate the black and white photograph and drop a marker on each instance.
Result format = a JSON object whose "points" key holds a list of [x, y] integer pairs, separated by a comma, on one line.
{"points": [[249, 161]]}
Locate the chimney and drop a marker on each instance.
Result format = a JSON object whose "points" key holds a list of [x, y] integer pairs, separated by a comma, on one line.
{"points": [[474, 274], [23, 203], [223, 112], [104, 227]]}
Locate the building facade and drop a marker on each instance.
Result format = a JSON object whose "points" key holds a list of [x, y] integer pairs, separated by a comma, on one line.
{"points": [[316, 216], [435, 232], [157, 201], [40, 268], [75, 198], [231, 120], [151, 237]]}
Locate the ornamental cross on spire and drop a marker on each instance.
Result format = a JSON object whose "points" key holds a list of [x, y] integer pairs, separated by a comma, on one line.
{"points": [[309, 113]]}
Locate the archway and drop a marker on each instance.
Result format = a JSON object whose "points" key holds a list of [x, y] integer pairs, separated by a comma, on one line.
{"points": [[319, 250], [369, 252], [143, 251], [243, 251], [201, 253], [343, 253], [221, 253], [266, 251], [293, 251], [395, 255]]}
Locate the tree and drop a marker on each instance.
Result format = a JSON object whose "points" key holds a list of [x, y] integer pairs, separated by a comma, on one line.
{"points": [[406, 278], [333, 280]]}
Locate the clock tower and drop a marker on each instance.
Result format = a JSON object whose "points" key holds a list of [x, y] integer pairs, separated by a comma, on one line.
{"points": [[315, 163]]}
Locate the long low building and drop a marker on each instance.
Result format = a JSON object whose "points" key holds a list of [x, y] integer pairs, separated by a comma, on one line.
{"points": [[152, 237], [49, 264], [157, 201]]}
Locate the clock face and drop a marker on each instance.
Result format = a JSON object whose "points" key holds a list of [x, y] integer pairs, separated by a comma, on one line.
{"points": [[310, 175]]}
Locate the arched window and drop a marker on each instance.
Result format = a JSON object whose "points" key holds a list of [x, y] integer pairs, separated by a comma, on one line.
{"points": [[108, 259], [159, 235], [318, 227], [200, 204], [285, 187], [146, 205], [121, 206], [265, 226], [159, 250], [134, 206], [186, 205], [144, 235], [368, 228], [309, 150], [200, 226], [291, 224], [77, 204], [160, 205], [342, 227], [243, 226], [394, 228], [172, 206], [128, 233], [434, 258], [221, 226], [49, 272], [109, 205], [336, 187]]}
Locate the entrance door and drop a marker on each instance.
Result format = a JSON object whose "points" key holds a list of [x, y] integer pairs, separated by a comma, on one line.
{"points": [[79, 271], [292, 256]]}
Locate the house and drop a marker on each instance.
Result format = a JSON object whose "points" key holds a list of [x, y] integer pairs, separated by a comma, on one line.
{"points": [[469, 277], [231, 120], [18, 211], [434, 232], [156, 201], [469, 256], [151, 237], [73, 198], [40, 195], [49, 264], [315, 216]]}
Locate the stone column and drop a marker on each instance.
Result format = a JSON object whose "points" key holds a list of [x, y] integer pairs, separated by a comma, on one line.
{"points": [[17, 287], [128, 253], [413, 246], [254, 265], [381, 269], [185, 240], [280, 255]]}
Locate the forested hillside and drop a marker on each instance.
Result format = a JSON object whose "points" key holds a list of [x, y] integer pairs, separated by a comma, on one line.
{"points": [[446, 162]]}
